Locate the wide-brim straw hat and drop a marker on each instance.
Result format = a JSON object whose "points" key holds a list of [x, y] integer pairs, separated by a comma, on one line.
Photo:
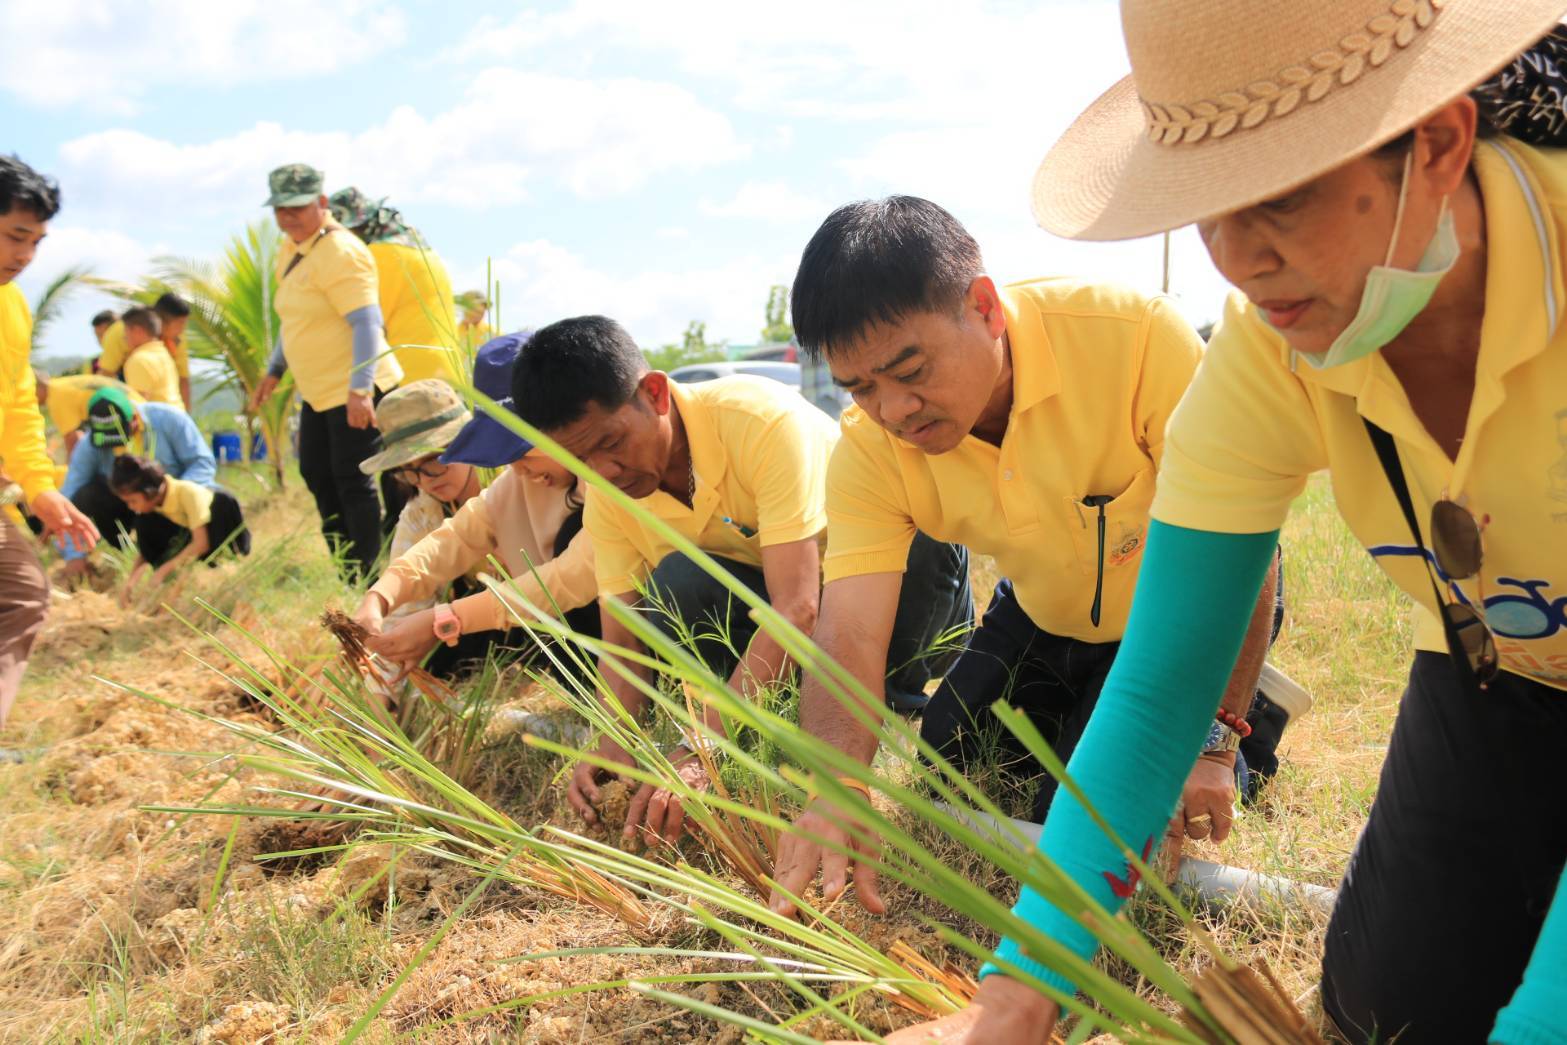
{"points": [[1232, 102], [416, 420]]}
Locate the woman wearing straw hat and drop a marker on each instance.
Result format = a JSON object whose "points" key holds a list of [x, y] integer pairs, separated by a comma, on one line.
{"points": [[1399, 322], [529, 518], [418, 423]]}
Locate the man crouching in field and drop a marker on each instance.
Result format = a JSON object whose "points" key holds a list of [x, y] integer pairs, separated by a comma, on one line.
{"points": [[738, 466], [1025, 422]]}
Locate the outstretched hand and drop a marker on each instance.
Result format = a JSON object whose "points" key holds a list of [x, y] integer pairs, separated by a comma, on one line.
{"points": [[802, 850]]}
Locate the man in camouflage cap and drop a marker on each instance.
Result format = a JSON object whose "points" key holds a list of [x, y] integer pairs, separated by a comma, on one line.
{"points": [[294, 185], [352, 207]]}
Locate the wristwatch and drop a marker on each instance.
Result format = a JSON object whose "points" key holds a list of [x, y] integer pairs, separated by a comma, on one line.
{"points": [[1221, 738], [447, 627]]}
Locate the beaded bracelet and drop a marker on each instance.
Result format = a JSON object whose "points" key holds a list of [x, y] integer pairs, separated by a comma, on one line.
{"points": [[1234, 722]]}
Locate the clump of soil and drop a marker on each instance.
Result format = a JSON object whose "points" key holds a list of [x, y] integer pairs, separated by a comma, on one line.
{"points": [[613, 803]]}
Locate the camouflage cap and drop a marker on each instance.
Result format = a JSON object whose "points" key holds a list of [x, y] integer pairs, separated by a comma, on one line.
{"points": [[294, 185], [351, 207]]}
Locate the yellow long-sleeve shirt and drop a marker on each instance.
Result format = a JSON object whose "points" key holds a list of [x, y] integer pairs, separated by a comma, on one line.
{"points": [[23, 457]]}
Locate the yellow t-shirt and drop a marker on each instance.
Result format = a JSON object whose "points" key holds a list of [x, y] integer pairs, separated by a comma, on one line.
{"points": [[1096, 373], [68, 397], [417, 308], [186, 504], [759, 452], [111, 358], [335, 276], [24, 459], [474, 336], [151, 372], [1251, 431], [115, 349]]}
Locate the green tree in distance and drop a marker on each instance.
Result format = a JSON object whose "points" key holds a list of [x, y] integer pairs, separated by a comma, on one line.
{"points": [[693, 348], [777, 331]]}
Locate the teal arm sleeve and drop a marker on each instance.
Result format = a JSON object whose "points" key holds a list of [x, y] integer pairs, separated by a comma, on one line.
{"points": [[1534, 1016], [1195, 596]]}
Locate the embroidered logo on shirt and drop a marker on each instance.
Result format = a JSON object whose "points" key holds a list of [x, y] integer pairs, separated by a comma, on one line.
{"points": [[1123, 888]]}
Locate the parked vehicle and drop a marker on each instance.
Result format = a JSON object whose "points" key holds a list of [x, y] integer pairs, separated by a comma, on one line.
{"points": [[787, 373]]}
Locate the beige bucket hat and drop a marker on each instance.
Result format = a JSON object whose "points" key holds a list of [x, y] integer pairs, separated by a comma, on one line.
{"points": [[1232, 102], [416, 420]]}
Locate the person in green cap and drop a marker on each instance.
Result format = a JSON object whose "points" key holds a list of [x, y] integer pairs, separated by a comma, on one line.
{"points": [[116, 424], [415, 293], [328, 302]]}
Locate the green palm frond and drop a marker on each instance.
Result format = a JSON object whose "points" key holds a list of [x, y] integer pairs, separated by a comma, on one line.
{"points": [[49, 304]]}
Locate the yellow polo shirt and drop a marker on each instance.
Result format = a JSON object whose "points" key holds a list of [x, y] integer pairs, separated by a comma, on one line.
{"points": [[111, 358], [1096, 373], [417, 307], [24, 459], [474, 336], [186, 504], [759, 452], [68, 397], [335, 276], [1251, 431], [150, 371]]}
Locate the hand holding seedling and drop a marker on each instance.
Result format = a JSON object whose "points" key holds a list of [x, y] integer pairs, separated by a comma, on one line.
{"points": [[407, 641]]}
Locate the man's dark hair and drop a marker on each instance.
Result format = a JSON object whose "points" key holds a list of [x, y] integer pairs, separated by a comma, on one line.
{"points": [[104, 319], [568, 365], [23, 187], [877, 261], [171, 306], [145, 318], [132, 474]]}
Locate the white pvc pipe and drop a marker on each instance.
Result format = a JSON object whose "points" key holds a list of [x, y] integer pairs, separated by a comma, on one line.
{"points": [[1217, 884]]}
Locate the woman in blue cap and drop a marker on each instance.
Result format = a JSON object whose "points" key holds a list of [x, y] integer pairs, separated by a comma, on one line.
{"points": [[530, 519]]}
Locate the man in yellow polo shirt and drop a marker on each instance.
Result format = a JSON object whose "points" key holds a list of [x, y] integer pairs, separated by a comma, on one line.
{"points": [[1025, 422], [473, 332], [149, 369], [738, 466], [415, 293], [65, 398]]}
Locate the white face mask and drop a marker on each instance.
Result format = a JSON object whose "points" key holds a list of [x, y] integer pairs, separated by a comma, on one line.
{"points": [[1393, 297]]}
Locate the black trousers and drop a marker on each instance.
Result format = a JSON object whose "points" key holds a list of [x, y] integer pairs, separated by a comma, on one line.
{"points": [[330, 452], [114, 520], [936, 600], [1056, 682], [1449, 884], [474, 648], [159, 539]]}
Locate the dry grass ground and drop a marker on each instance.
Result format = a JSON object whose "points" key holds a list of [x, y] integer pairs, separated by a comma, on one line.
{"points": [[118, 924]]}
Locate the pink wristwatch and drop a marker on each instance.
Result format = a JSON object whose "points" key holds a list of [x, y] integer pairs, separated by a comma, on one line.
{"points": [[448, 628]]}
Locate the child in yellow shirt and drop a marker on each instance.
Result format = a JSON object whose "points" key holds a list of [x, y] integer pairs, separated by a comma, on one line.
{"points": [[177, 521]]}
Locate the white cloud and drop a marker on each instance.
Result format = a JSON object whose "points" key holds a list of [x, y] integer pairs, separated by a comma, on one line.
{"points": [[108, 55], [773, 200], [512, 128], [541, 282], [871, 59]]}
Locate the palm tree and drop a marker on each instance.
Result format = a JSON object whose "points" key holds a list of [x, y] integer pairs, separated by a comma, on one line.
{"points": [[49, 304], [233, 322]]}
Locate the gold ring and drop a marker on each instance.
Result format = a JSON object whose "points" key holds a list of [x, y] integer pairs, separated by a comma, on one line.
{"points": [[1200, 817]]}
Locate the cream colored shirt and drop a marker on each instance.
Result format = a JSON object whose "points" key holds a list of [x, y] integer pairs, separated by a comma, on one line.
{"points": [[515, 520]]}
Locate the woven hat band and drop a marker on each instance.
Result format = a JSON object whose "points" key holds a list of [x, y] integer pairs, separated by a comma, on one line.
{"points": [[409, 431]]}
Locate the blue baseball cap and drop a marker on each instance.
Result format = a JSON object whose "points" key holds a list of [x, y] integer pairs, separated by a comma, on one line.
{"points": [[484, 441]]}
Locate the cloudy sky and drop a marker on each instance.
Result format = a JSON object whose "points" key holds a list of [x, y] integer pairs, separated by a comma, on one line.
{"points": [[658, 162]]}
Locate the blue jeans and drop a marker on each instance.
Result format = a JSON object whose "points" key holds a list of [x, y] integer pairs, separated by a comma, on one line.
{"points": [[936, 601]]}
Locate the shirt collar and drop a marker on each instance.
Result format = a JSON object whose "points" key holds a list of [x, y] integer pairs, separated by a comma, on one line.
{"points": [[708, 461], [1035, 376]]}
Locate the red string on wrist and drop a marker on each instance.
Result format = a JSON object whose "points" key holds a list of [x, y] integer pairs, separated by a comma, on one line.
{"points": [[1234, 722]]}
